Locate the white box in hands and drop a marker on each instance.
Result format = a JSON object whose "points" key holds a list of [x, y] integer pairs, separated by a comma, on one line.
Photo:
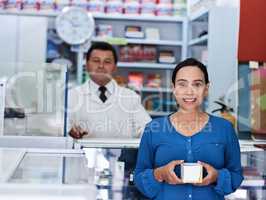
{"points": [[191, 172]]}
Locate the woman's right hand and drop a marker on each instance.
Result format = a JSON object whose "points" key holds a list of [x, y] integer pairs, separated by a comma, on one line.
{"points": [[166, 173], [77, 132]]}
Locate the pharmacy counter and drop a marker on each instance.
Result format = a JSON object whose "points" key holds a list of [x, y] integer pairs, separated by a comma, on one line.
{"points": [[97, 171], [54, 174]]}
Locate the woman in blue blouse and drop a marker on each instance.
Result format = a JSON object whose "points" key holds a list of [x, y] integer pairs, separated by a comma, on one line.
{"points": [[188, 135]]}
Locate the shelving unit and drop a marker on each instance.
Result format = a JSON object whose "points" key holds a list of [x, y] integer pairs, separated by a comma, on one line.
{"points": [[160, 66], [142, 41], [46, 13], [139, 17], [207, 29], [199, 14], [174, 40], [199, 41], [198, 35], [185, 36], [149, 89]]}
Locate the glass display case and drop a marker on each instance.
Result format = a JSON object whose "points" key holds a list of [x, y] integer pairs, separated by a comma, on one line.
{"points": [[253, 186], [34, 99], [92, 173], [113, 154], [254, 168], [9, 159], [45, 175], [113, 170], [98, 173]]}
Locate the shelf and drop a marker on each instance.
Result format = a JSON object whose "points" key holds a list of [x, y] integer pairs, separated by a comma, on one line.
{"points": [[145, 65], [140, 17], [199, 41], [108, 143], [141, 41], [158, 113], [52, 13], [40, 13], [199, 15], [149, 89]]}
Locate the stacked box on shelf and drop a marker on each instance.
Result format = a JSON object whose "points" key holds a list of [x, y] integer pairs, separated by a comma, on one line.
{"points": [[111, 7], [137, 53]]}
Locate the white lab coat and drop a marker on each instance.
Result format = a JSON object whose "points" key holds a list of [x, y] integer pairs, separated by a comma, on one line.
{"points": [[121, 116]]}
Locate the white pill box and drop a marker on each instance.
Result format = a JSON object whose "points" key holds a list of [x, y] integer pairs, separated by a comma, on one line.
{"points": [[191, 172]]}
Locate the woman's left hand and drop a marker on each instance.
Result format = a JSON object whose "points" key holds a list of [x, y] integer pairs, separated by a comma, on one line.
{"points": [[211, 176]]}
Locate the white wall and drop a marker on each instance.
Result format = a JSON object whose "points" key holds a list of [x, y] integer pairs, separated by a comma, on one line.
{"points": [[222, 53], [22, 39], [233, 3], [32, 39], [8, 41]]}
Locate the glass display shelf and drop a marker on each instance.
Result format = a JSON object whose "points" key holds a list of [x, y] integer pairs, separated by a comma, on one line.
{"points": [[253, 186], [34, 99], [45, 174], [9, 159], [91, 173], [98, 173]]}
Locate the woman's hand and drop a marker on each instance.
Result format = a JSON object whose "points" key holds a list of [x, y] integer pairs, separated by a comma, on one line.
{"points": [[211, 176], [166, 173]]}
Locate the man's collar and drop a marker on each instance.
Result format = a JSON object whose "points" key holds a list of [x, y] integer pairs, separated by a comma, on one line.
{"points": [[93, 87]]}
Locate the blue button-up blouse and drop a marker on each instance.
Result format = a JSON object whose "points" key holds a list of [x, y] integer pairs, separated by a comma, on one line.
{"points": [[216, 144]]}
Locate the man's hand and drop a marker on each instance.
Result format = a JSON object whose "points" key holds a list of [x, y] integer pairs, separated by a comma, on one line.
{"points": [[211, 177], [77, 132], [166, 173]]}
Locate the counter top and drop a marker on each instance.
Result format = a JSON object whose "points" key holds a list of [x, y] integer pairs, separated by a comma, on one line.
{"points": [[97, 173]]}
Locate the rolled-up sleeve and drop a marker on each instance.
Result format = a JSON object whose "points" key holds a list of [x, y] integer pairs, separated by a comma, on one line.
{"points": [[143, 176], [230, 177]]}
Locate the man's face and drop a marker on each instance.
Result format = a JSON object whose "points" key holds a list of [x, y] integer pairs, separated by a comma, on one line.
{"points": [[101, 66]]}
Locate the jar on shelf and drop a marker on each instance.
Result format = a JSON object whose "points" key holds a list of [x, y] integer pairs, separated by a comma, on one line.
{"points": [[132, 8], [95, 6], [148, 9], [114, 7], [164, 9]]}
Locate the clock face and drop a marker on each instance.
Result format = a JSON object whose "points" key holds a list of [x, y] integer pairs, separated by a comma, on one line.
{"points": [[74, 25]]}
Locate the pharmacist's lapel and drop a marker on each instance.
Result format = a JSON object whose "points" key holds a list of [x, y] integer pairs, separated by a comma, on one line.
{"points": [[89, 94]]}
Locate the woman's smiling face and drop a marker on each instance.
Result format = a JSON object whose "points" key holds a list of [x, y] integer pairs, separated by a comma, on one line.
{"points": [[190, 88]]}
